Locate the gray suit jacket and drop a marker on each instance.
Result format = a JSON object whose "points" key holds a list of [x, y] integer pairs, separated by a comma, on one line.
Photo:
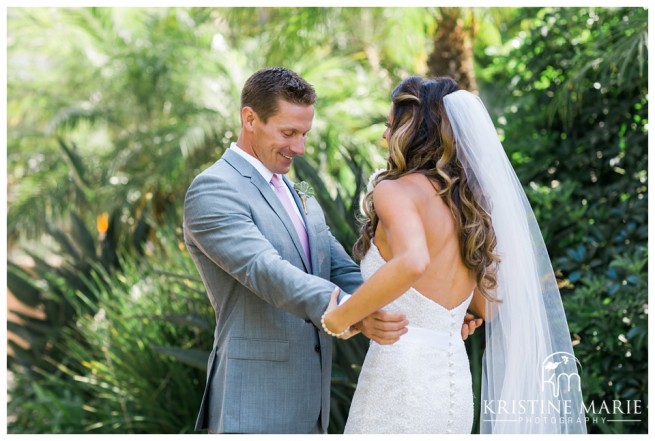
{"points": [[270, 367]]}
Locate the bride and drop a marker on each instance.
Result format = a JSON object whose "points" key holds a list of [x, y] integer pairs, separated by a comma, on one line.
{"points": [[448, 229]]}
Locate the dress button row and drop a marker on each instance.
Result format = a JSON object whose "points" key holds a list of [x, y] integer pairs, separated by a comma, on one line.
{"points": [[451, 374]]}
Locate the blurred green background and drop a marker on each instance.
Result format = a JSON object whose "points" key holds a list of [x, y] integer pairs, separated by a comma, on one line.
{"points": [[112, 112]]}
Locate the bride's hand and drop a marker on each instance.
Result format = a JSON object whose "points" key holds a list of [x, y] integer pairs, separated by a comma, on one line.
{"points": [[332, 305], [334, 300]]}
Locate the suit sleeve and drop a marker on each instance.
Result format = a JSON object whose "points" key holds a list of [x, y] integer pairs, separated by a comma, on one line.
{"points": [[218, 222], [344, 272]]}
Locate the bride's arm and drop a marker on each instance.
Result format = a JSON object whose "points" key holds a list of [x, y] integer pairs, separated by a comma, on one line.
{"points": [[396, 206]]}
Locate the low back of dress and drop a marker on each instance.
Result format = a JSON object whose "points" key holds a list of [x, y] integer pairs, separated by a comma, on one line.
{"points": [[421, 311], [422, 383]]}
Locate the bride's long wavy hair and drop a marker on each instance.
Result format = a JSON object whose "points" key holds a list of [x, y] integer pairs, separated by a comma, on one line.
{"points": [[421, 141]]}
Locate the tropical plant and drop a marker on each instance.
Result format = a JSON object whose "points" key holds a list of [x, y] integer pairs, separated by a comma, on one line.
{"points": [[46, 286], [575, 125], [452, 54], [128, 112], [116, 369], [113, 125]]}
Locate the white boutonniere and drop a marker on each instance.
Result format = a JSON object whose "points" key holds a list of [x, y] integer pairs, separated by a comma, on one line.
{"points": [[305, 191]]}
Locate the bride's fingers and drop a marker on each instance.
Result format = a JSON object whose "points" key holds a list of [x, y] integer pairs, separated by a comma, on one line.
{"points": [[334, 299]]}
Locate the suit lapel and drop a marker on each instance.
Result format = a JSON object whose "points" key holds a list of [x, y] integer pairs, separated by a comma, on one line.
{"points": [[248, 171], [311, 236]]}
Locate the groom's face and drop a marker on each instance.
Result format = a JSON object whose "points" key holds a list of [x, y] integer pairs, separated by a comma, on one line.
{"points": [[279, 140]]}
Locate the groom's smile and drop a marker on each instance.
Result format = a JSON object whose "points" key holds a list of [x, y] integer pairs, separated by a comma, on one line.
{"points": [[290, 158], [279, 139]]}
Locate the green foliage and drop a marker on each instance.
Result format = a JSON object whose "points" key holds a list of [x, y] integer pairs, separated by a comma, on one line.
{"points": [[127, 115], [574, 124], [610, 315], [47, 286], [123, 116], [340, 211], [113, 373]]}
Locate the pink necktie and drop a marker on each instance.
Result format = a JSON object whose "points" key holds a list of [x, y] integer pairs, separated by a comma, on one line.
{"points": [[282, 195]]}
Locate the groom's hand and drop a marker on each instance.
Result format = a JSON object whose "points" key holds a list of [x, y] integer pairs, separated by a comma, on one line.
{"points": [[469, 325], [383, 327]]}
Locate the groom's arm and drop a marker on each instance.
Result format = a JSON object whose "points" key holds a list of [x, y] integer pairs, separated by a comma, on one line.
{"points": [[344, 272], [218, 222]]}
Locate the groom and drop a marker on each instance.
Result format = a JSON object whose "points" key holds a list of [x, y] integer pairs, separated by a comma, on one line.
{"points": [[269, 263]]}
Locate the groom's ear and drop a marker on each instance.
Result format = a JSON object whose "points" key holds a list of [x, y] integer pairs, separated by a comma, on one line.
{"points": [[248, 117]]}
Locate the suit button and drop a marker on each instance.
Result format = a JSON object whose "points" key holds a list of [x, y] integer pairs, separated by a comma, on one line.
{"points": [[317, 348], [308, 321]]}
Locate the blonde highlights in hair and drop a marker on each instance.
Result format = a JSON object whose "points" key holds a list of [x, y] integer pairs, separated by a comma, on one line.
{"points": [[421, 140]]}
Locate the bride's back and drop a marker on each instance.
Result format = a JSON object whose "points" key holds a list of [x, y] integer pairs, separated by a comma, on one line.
{"points": [[446, 281]]}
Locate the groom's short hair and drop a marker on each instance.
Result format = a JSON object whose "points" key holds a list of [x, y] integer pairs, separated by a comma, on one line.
{"points": [[266, 86]]}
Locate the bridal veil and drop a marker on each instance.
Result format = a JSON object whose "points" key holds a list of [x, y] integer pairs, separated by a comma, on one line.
{"points": [[530, 377]]}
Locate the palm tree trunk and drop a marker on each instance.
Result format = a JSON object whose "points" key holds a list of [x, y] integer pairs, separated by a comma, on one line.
{"points": [[453, 51]]}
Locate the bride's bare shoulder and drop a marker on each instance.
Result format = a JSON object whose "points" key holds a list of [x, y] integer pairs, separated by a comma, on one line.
{"points": [[391, 196], [414, 188], [409, 182]]}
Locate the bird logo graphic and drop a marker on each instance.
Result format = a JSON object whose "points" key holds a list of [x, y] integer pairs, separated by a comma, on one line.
{"points": [[559, 372], [552, 365]]}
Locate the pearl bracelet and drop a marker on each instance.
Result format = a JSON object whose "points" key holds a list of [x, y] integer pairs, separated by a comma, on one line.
{"points": [[328, 332]]}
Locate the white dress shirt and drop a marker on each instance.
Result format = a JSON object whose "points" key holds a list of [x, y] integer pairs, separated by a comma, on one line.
{"points": [[266, 174]]}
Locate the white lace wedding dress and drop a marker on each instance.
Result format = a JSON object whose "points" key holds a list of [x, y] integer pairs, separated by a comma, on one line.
{"points": [[422, 383]]}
